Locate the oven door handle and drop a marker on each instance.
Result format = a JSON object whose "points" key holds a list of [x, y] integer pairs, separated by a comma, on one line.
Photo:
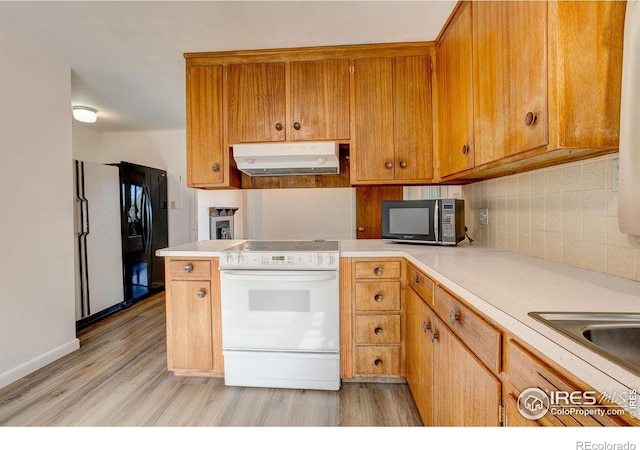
{"points": [[278, 276]]}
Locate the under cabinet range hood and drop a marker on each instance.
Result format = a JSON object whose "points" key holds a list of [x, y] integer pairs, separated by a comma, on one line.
{"points": [[287, 158]]}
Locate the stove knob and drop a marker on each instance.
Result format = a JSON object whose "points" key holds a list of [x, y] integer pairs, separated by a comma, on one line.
{"points": [[240, 259], [229, 258], [318, 260], [330, 260]]}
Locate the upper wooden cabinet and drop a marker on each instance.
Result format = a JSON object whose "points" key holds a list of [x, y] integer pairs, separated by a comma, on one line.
{"points": [[256, 102], [545, 85], [455, 89], [393, 134], [207, 161], [317, 92], [319, 100]]}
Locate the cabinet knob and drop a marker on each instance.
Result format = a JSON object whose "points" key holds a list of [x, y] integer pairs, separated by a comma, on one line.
{"points": [[296, 125], [403, 164], [188, 268], [453, 317], [378, 271], [215, 167], [278, 126], [433, 336], [425, 326], [530, 119], [416, 280], [361, 229], [388, 165], [378, 298], [378, 362], [465, 149], [202, 292], [378, 331]]}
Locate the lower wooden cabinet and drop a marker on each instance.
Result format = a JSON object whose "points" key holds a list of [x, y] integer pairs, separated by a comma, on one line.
{"points": [[377, 317], [528, 375], [450, 385], [194, 339]]}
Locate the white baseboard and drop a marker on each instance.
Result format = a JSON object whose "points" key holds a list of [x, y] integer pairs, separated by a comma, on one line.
{"points": [[34, 364]]}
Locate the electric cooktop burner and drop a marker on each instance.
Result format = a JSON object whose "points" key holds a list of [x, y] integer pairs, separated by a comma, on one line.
{"points": [[285, 246]]}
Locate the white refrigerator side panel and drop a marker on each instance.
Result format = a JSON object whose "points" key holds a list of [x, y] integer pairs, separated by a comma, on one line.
{"points": [[104, 244]]}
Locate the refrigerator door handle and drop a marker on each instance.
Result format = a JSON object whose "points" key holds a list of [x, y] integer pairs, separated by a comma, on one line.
{"points": [[147, 217]]}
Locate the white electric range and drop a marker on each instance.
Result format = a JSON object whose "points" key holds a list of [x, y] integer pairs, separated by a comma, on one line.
{"points": [[280, 314]]}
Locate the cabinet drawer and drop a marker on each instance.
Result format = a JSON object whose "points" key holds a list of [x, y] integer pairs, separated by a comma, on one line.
{"points": [[481, 338], [378, 329], [377, 360], [527, 371], [421, 283], [197, 269], [378, 269], [380, 296]]}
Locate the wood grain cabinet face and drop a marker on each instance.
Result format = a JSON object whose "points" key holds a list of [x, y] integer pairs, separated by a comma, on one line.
{"points": [[527, 371], [194, 331], [393, 123], [206, 158], [510, 78], [450, 384], [256, 102], [377, 315], [455, 95], [296, 101], [319, 100]]}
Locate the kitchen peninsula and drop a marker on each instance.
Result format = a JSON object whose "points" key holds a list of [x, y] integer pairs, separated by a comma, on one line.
{"points": [[492, 288]]}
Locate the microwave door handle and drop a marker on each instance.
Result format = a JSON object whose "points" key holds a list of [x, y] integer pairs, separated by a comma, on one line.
{"points": [[436, 221]]}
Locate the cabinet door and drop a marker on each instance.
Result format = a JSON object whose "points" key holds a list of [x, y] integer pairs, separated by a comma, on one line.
{"points": [[419, 355], [369, 209], [527, 58], [465, 392], [205, 152], [413, 118], [454, 77], [319, 100], [256, 102], [191, 336], [373, 121]]}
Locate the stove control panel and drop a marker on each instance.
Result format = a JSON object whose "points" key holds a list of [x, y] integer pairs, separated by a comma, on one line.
{"points": [[281, 261]]}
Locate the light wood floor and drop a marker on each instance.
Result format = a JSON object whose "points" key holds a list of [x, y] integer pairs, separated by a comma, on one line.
{"points": [[119, 378]]}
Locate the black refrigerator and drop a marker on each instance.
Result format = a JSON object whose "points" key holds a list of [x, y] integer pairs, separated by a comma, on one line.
{"points": [[144, 224]]}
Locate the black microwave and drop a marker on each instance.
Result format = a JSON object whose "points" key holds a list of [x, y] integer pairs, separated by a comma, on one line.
{"points": [[435, 221]]}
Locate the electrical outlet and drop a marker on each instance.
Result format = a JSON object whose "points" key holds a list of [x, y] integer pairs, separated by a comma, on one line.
{"points": [[484, 216], [615, 173]]}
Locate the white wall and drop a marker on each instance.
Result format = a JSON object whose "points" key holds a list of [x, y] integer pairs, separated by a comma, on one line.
{"points": [[37, 295], [164, 150]]}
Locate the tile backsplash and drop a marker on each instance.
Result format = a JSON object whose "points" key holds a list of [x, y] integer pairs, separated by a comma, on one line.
{"points": [[566, 213]]}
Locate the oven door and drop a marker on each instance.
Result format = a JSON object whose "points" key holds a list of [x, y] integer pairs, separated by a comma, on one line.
{"points": [[280, 310]]}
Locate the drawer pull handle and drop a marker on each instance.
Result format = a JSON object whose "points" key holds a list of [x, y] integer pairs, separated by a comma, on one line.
{"points": [[378, 271], [425, 326], [202, 292], [378, 331], [378, 298], [215, 167], [433, 336], [378, 362], [188, 268], [416, 280], [453, 317]]}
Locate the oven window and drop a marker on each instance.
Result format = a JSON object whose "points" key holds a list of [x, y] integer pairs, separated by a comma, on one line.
{"points": [[279, 300], [409, 221]]}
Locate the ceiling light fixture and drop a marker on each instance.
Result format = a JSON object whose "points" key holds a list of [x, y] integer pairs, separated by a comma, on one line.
{"points": [[85, 114]]}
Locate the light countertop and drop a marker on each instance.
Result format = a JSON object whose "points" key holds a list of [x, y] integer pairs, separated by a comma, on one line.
{"points": [[506, 286]]}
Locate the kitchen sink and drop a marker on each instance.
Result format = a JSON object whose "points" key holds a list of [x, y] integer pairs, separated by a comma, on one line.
{"points": [[616, 336]]}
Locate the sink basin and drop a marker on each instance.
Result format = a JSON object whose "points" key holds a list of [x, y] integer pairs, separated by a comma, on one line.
{"points": [[616, 336]]}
